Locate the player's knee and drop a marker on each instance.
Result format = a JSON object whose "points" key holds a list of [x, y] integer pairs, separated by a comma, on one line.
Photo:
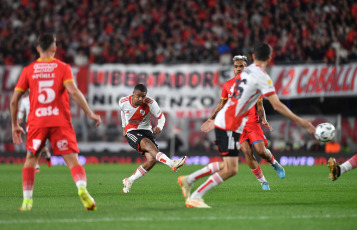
{"points": [[233, 171]]}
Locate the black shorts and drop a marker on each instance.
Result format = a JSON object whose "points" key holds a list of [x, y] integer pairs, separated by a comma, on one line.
{"points": [[227, 142], [135, 136]]}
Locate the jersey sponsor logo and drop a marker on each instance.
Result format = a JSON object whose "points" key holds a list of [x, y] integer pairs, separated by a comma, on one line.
{"points": [[44, 67], [47, 111], [62, 145], [36, 144], [134, 122]]}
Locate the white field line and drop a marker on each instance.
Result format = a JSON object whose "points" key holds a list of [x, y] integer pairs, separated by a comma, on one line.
{"points": [[192, 218]]}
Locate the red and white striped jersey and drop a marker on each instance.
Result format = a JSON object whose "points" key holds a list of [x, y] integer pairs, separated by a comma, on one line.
{"points": [[138, 117], [253, 83]]}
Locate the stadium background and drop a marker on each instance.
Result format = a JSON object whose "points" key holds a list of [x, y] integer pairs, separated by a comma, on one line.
{"points": [[183, 50]]}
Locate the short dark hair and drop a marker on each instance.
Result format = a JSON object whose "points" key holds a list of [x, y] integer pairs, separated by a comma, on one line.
{"points": [[141, 88], [45, 41], [262, 51]]}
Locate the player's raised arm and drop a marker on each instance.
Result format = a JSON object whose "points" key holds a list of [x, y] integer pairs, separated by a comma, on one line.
{"points": [[16, 128], [78, 97], [281, 108]]}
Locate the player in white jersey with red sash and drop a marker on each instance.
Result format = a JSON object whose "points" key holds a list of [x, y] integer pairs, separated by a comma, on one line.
{"points": [[49, 81], [136, 110], [230, 121], [24, 110]]}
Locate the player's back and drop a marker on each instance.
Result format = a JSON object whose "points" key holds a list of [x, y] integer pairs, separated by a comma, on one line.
{"points": [[48, 97]]}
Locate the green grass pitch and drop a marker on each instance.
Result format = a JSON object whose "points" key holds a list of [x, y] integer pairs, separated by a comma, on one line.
{"points": [[305, 199]]}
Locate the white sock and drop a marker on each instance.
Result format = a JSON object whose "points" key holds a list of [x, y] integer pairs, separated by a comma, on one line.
{"points": [[207, 170], [161, 157], [210, 183], [345, 167], [81, 183], [27, 194], [140, 172]]}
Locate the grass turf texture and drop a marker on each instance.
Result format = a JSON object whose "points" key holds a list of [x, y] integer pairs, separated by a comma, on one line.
{"points": [[305, 199]]}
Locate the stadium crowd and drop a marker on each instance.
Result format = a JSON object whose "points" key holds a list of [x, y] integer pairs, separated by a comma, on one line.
{"points": [[171, 32]]}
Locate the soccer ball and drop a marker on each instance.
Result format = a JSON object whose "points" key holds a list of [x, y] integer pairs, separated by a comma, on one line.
{"points": [[325, 132]]}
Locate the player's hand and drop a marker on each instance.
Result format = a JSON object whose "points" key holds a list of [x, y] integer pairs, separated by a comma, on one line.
{"points": [[16, 134], [266, 124], [306, 124], [157, 130], [96, 118], [207, 126]]}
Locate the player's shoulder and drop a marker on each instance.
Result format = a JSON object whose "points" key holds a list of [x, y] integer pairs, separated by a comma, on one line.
{"points": [[124, 99], [61, 63], [149, 100], [231, 81]]}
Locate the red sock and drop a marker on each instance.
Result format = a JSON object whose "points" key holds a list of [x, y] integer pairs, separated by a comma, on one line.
{"points": [[28, 178], [272, 159], [78, 173], [258, 172]]}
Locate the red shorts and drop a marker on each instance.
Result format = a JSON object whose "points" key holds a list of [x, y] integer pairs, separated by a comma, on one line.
{"points": [[253, 134], [63, 139]]}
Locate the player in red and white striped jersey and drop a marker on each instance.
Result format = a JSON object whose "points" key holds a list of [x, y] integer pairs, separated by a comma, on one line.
{"points": [[231, 119], [252, 135], [136, 110]]}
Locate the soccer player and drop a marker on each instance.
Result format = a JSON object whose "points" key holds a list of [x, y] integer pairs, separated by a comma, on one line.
{"points": [[337, 170], [136, 110], [231, 119], [49, 81], [252, 135], [24, 108]]}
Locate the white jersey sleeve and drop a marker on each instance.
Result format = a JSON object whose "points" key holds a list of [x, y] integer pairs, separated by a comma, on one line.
{"points": [[24, 108]]}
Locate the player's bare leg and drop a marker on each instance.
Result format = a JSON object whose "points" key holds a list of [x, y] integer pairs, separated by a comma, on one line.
{"points": [[47, 154], [253, 164], [230, 169], [265, 153], [147, 146], [80, 178], [28, 179], [186, 181]]}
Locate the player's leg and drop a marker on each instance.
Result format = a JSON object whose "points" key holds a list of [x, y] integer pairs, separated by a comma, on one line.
{"points": [[140, 172], [64, 142], [148, 146], [227, 145], [265, 153], [253, 164], [34, 142], [80, 178], [186, 181], [47, 154], [337, 170]]}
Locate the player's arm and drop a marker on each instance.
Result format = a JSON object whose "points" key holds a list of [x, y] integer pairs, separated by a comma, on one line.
{"points": [[16, 129], [156, 111], [261, 114], [208, 125], [281, 108], [78, 97]]}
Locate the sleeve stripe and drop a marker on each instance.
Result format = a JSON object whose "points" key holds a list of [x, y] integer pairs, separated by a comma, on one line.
{"points": [[19, 89], [160, 116], [224, 98], [68, 80], [270, 93]]}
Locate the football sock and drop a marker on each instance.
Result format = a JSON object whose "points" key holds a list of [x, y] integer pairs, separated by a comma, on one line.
{"points": [[207, 170], [79, 176], [161, 157], [259, 174], [272, 159], [210, 183], [348, 165], [28, 179], [140, 172]]}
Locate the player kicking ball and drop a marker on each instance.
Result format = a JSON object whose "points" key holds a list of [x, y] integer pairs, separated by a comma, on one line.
{"points": [[136, 110]]}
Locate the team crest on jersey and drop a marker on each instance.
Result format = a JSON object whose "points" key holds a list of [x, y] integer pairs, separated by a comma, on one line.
{"points": [[270, 82], [62, 145], [142, 112]]}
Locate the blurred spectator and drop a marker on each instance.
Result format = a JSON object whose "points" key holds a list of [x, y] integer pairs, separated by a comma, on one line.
{"points": [[164, 31]]}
